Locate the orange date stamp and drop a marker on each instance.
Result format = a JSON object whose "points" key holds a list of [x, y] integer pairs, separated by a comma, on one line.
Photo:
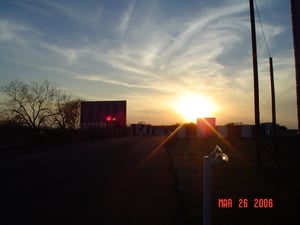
{"points": [[244, 203]]}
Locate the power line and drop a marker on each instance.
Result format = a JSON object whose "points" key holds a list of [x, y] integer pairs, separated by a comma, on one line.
{"points": [[262, 30]]}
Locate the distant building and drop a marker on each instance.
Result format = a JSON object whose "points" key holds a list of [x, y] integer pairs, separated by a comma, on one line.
{"points": [[206, 127], [181, 133], [222, 131], [247, 131], [142, 129], [235, 131], [103, 114]]}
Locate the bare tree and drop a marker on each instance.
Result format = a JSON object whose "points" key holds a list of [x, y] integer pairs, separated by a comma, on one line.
{"points": [[68, 112], [31, 104]]}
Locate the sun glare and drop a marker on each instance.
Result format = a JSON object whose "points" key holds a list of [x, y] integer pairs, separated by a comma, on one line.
{"points": [[191, 107]]}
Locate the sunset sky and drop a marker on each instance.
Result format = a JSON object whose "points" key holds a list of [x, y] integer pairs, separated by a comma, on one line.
{"points": [[153, 54]]}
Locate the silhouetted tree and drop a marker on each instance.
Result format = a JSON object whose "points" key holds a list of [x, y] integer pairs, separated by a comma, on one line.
{"points": [[31, 104], [68, 112], [37, 105]]}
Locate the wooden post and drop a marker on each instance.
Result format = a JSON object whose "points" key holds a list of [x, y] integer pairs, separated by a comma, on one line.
{"points": [[295, 10], [256, 87], [274, 125]]}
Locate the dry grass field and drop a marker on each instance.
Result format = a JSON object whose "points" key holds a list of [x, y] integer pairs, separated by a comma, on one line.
{"points": [[269, 195]]}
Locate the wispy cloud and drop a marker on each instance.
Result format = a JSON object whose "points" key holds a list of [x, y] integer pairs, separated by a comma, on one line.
{"points": [[6, 32], [69, 54], [11, 31], [187, 60], [126, 17], [86, 15], [196, 28], [196, 59], [107, 79]]}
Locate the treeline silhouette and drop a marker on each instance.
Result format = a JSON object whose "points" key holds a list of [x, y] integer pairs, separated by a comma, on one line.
{"points": [[40, 113]]}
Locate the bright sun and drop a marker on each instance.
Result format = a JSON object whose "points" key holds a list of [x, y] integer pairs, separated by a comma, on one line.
{"points": [[193, 106]]}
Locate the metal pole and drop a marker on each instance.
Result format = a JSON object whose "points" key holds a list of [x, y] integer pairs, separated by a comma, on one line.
{"points": [[274, 126], [295, 11], [206, 190], [256, 87]]}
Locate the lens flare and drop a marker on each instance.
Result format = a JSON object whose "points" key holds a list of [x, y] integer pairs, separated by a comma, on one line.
{"points": [[193, 106]]}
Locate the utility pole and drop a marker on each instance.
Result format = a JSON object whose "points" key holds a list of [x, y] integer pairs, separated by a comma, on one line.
{"points": [[256, 87], [274, 125], [295, 10]]}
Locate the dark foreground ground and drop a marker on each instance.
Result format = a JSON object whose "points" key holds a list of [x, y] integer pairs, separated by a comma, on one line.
{"points": [[103, 182], [269, 195], [122, 181]]}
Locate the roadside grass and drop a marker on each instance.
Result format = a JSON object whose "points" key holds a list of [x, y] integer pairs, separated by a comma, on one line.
{"points": [[274, 188]]}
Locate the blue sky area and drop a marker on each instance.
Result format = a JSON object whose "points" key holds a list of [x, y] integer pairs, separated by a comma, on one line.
{"points": [[151, 53]]}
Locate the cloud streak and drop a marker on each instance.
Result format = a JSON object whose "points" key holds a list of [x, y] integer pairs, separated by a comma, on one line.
{"points": [[126, 17], [105, 79]]}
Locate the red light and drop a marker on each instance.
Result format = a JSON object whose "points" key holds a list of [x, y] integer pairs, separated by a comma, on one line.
{"points": [[108, 118]]}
